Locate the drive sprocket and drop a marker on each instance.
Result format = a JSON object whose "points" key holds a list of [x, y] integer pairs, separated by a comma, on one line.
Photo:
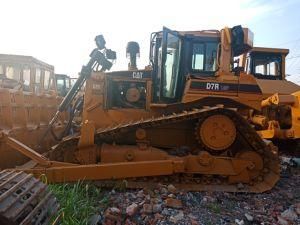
{"points": [[215, 133]]}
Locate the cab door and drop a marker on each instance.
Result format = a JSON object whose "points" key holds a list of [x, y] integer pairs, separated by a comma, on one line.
{"points": [[169, 60]]}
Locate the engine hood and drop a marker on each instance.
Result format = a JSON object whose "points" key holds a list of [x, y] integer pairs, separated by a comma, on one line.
{"points": [[270, 87]]}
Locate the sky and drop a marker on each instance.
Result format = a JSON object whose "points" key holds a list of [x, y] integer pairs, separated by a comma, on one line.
{"points": [[62, 32]]}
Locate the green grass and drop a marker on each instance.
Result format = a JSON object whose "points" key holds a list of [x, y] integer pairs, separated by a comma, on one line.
{"points": [[78, 202], [214, 207]]}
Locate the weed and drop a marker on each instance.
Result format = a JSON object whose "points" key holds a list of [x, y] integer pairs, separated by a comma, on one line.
{"points": [[214, 208], [78, 202]]}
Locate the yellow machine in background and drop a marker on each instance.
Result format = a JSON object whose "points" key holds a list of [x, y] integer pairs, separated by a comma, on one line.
{"points": [[29, 99], [279, 117]]}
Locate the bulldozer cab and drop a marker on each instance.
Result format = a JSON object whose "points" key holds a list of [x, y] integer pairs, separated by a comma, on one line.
{"points": [[267, 63], [175, 55], [26, 73], [63, 84]]}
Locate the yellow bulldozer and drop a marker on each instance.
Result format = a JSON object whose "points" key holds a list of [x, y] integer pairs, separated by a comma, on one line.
{"points": [[29, 97], [198, 116], [28, 100], [203, 115], [279, 116]]}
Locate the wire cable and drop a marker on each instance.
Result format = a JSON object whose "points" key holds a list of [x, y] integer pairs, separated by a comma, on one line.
{"points": [[287, 42], [293, 57]]}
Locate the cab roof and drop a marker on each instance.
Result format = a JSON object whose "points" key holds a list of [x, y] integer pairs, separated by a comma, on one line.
{"points": [[270, 50], [201, 33], [10, 59]]}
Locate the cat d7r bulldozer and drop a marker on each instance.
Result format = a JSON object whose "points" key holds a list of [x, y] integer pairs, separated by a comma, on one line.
{"points": [[189, 118]]}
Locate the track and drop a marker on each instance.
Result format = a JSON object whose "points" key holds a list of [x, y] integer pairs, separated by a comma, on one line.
{"points": [[24, 200], [261, 180]]}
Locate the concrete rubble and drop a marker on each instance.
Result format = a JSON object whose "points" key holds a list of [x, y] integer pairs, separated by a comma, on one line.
{"points": [[166, 204]]}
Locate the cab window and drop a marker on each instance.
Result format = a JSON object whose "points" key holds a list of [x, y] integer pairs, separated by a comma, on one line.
{"points": [[37, 80], [67, 83], [204, 57], [198, 57], [52, 85], [11, 73], [267, 66], [26, 76], [60, 84], [46, 80], [171, 66], [37, 76]]}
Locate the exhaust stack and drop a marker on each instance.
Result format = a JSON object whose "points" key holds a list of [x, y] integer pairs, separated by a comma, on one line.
{"points": [[132, 52]]}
